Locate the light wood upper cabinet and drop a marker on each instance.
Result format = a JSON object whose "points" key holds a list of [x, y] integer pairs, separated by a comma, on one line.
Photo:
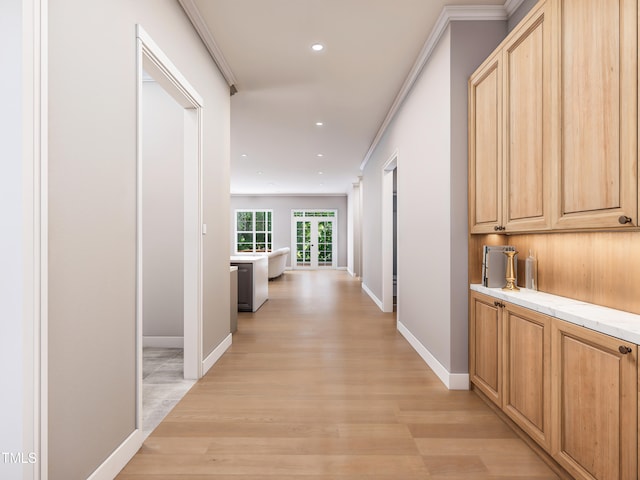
{"points": [[527, 371], [594, 403], [509, 133], [485, 346], [527, 129], [595, 71], [485, 146]]}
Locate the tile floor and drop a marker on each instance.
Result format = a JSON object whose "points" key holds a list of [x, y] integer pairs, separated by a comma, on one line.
{"points": [[163, 384]]}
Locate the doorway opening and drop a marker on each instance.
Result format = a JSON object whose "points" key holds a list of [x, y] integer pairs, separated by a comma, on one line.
{"points": [[389, 234], [314, 239], [169, 235]]}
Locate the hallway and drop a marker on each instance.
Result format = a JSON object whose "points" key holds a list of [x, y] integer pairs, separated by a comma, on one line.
{"points": [[318, 384]]}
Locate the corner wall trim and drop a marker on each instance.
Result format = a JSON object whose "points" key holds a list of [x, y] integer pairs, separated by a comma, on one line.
{"points": [[453, 381], [192, 11], [375, 299], [216, 354], [450, 13], [119, 458], [162, 342]]}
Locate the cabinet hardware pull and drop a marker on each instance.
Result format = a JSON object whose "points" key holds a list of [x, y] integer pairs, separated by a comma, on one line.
{"points": [[496, 228], [623, 219], [623, 349]]}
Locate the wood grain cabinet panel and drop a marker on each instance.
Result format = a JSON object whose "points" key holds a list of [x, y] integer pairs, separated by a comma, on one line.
{"points": [[594, 403], [485, 342], [595, 71], [527, 371], [509, 133], [527, 132], [485, 149]]}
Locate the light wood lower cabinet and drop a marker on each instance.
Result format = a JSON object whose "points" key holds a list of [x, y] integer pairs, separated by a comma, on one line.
{"points": [[527, 371], [572, 390], [485, 346], [594, 403]]}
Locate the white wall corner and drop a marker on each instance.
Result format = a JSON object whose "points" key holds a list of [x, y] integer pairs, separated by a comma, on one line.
{"points": [[453, 381], [216, 354], [450, 13], [119, 458], [375, 299]]}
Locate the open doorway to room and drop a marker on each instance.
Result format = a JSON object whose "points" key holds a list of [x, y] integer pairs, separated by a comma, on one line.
{"points": [[314, 239], [169, 229], [389, 234]]}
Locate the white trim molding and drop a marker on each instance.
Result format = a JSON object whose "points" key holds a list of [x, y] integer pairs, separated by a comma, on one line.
{"points": [[119, 458], [192, 11], [450, 13], [375, 299], [217, 353], [453, 381]]}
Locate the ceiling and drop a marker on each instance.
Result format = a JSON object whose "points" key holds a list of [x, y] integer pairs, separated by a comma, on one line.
{"points": [[284, 87]]}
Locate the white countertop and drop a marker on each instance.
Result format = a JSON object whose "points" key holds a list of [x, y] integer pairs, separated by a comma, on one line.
{"points": [[623, 325], [248, 258]]}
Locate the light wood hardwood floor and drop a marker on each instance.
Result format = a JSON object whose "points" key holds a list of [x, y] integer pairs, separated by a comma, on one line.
{"points": [[319, 385]]}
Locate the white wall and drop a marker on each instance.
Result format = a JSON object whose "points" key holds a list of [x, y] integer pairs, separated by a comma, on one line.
{"points": [[163, 213], [92, 213], [429, 133], [282, 206], [11, 230]]}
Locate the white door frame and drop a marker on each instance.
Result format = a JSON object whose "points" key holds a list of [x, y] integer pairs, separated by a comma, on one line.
{"points": [[387, 232], [334, 233], [152, 60]]}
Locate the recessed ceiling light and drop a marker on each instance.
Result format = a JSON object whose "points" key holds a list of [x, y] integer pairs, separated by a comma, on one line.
{"points": [[317, 47], [259, 173], [319, 124], [319, 155], [320, 173], [243, 155]]}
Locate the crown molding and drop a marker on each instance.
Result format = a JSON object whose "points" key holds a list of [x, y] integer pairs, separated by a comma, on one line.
{"points": [[450, 13], [203, 31], [512, 5]]}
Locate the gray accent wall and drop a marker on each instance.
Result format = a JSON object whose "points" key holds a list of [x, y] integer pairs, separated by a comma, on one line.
{"points": [[92, 216], [429, 133], [520, 12], [282, 206], [163, 213]]}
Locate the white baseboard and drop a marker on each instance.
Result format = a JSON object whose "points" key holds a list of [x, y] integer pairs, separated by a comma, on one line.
{"points": [[216, 354], [453, 381], [119, 458], [343, 268], [350, 272], [376, 300], [162, 342]]}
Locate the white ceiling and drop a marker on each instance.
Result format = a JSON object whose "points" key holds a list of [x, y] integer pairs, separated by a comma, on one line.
{"points": [[284, 87]]}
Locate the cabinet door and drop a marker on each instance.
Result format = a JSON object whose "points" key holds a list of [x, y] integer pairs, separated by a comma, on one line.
{"points": [[485, 149], [527, 132], [245, 287], [485, 346], [527, 371], [595, 66], [594, 403]]}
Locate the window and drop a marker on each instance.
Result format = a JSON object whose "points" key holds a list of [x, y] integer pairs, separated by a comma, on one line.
{"points": [[253, 230]]}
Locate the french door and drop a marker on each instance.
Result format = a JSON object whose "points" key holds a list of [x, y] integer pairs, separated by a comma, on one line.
{"points": [[314, 241]]}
